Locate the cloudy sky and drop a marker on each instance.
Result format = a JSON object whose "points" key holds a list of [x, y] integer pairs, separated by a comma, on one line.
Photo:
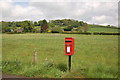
{"points": [[102, 12]]}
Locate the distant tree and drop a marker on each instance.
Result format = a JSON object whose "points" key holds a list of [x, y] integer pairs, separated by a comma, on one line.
{"points": [[18, 24], [27, 26], [69, 28], [30, 26], [40, 23], [79, 29], [81, 23], [85, 27], [56, 29], [44, 26], [108, 26], [51, 25], [67, 22], [13, 27], [5, 27], [74, 23], [35, 23]]}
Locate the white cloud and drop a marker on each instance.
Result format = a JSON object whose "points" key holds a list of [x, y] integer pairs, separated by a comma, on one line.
{"points": [[12, 12], [74, 0], [28, 11], [92, 12], [99, 18], [6, 8], [102, 20]]}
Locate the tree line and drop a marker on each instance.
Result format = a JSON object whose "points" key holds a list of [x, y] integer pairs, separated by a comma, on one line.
{"points": [[44, 26]]}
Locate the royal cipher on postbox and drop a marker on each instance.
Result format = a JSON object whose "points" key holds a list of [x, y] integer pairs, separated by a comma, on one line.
{"points": [[69, 46]]}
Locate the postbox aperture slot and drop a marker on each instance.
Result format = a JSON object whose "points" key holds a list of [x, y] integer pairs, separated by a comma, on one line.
{"points": [[68, 41]]}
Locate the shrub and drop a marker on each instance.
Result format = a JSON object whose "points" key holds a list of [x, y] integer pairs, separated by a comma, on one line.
{"points": [[69, 28], [49, 31], [56, 30], [11, 66]]}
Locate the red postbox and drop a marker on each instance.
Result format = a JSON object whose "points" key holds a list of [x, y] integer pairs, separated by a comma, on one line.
{"points": [[69, 46]]}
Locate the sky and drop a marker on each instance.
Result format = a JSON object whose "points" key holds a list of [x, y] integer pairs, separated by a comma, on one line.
{"points": [[102, 12]]}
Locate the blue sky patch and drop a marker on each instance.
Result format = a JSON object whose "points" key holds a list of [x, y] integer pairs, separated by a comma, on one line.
{"points": [[24, 4]]}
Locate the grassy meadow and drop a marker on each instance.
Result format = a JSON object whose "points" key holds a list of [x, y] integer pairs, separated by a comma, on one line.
{"points": [[103, 29], [96, 56]]}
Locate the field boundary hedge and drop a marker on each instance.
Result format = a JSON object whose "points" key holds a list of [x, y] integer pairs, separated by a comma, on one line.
{"points": [[87, 33], [95, 33], [106, 33]]}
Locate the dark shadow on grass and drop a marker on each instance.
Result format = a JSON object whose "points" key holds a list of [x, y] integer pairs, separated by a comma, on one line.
{"points": [[62, 67]]}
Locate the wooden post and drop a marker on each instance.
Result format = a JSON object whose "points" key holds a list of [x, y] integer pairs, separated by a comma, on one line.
{"points": [[69, 63], [35, 57]]}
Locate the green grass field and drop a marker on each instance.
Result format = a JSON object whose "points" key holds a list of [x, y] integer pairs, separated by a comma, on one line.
{"points": [[103, 29], [96, 56]]}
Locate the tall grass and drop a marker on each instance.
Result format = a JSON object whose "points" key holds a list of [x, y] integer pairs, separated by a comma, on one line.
{"points": [[95, 55]]}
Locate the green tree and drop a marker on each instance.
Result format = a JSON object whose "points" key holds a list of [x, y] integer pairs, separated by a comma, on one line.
{"points": [[5, 27], [44, 26], [51, 25], [35, 23], [40, 23], [81, 23], [27, 26]]}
